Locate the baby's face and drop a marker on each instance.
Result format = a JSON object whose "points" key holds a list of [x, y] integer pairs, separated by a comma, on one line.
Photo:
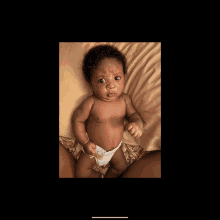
{"points": [[108, 80]]}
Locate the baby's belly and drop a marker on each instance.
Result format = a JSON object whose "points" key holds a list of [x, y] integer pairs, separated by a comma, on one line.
{"points": [[105, 135]]}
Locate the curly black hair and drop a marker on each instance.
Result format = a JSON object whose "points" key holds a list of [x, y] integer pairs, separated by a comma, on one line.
{"points": [[98, 53]]}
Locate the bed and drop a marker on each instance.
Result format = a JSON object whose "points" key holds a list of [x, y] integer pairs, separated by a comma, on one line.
{"points": [[142, 84]]}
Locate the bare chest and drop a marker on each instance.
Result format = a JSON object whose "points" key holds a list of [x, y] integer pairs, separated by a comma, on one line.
{"points": [[108, 111]]}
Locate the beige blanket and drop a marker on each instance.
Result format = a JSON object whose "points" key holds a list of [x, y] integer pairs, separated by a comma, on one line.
{"points": [[142, 83]]}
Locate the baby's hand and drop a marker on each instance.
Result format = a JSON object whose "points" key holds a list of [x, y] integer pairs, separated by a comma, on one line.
{"points": [[134, 129], [90, 148]]}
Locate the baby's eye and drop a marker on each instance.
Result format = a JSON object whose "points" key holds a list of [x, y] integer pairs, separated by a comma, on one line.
{"points": [[102, 80], [117, 77]]}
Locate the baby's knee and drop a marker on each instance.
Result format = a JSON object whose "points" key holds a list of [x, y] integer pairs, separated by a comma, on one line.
{"points": [[82, 172], [86, 173], [124, 167], [120, 168]]}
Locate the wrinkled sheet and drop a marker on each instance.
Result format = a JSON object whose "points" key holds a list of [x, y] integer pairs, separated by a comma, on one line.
{"points": [[142, 83]]}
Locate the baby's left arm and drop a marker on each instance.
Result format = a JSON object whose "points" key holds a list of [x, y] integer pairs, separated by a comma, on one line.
{"points": [[135, 125]]}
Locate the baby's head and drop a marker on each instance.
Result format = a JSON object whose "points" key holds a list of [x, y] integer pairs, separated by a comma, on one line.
{"points": [[104, 68]]}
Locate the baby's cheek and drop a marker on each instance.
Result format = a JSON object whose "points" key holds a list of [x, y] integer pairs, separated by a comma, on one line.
{"points": [[100, 89], [117, 85]]}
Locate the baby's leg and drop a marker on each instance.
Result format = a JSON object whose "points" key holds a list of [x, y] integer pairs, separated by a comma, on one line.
{"points": [[84, 167], [118, 164], [67, 163]]}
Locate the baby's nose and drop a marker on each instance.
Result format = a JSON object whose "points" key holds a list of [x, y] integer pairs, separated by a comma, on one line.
{"points": [[110, 86]]}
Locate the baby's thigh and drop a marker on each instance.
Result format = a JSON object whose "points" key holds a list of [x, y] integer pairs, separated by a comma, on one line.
{"points": [[67, 163], [84, 165], [118, 161]]}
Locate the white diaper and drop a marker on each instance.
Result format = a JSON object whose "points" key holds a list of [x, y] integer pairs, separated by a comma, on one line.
{"points": [[102, 157]]}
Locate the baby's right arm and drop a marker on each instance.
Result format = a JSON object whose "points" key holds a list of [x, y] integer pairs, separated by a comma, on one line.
{"points": [[79, 118]]}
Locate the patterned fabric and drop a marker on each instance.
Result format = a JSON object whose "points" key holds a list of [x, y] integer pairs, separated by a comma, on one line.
{"points": [[131, 152]]}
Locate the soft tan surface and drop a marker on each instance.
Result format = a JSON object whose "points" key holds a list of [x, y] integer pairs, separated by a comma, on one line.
{"points": [[142, 83]]}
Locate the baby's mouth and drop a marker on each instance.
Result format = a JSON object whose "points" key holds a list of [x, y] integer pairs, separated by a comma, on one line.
{"points": [[111, 94]]}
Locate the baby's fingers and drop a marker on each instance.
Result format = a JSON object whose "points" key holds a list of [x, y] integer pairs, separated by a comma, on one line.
{"points": [[129, 127], [135, 134], [92, 152], [139, 134], [132, 131]]}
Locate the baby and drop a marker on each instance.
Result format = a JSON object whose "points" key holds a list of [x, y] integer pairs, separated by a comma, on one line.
{"points": [[98, 122]]}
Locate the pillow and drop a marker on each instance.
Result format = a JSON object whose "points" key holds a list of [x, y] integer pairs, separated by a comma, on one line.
{"points": [[142, 83]]}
